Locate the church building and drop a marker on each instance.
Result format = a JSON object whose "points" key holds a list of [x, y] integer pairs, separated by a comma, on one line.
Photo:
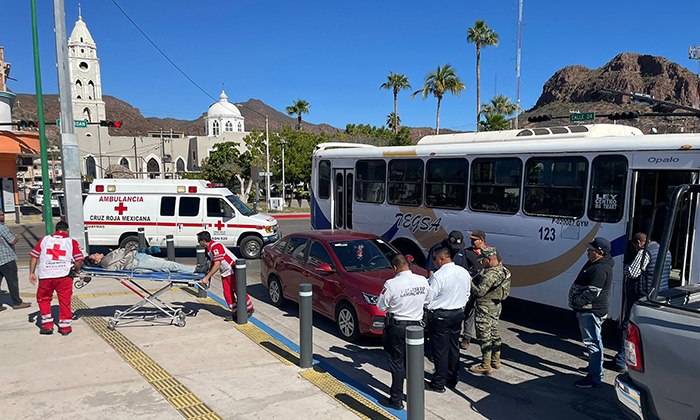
{"points": [[156, 154]]}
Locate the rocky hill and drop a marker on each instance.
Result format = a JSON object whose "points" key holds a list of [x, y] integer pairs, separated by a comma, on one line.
{"points": [[574, 88]]}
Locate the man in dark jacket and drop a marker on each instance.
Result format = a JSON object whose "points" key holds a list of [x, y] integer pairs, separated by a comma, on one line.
{"points": [[588, 297]]}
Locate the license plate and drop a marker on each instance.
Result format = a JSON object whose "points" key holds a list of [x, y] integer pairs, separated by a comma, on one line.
{"points": [[629, 397]]}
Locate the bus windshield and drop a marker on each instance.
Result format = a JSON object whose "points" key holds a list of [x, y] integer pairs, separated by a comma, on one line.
{"points": [[240, 206]]}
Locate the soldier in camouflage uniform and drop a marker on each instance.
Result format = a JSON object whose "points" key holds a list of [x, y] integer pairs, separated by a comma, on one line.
{"points": [[489, 288]]}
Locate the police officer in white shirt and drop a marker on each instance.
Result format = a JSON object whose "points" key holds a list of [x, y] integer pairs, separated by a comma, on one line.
{"points": [[402, 298], [448, 293]]}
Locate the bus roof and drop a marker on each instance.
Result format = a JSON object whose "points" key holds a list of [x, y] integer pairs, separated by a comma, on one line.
{"points": [[582, 139]]}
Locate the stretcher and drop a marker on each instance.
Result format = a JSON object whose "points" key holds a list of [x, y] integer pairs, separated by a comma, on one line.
{"points": [[163, 313]]}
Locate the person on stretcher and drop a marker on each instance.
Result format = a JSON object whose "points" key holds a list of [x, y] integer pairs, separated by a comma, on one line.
{"points": [[131, 259]]}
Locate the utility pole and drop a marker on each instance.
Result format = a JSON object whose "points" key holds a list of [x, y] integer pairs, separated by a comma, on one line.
{"points": [[162, 155], [694, 54], [517, 59], [69, 140], [48, 221], [136, 161]]}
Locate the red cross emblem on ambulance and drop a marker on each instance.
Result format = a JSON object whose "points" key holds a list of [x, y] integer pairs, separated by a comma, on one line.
{"points": [[121, 208], [218, 225], [55, 252]]}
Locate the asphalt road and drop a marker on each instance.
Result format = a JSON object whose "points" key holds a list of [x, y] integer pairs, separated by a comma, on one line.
{"points": [[541, 351]]}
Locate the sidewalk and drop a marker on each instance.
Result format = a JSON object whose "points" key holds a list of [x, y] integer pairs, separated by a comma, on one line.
{"points": [[207, 369]]}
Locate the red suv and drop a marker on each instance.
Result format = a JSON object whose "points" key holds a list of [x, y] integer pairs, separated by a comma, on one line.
{"points": [[346, 270]]}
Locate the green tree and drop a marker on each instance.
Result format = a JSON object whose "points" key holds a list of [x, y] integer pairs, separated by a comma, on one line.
{"points": [[500, 104], [393, 122], [437, 83], [494, 122], [298, 108], [396, 82], [482, 36], [226, 165], [377, 136]]}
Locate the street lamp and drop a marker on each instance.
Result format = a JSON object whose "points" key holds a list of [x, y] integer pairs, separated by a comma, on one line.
{"points": [[283, 143], [267, 152]]}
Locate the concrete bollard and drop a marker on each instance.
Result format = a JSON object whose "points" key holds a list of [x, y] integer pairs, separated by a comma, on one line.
{"points": [[241, 293], [201, 258], [415, 372], [87, 242], [170, 247], [142, 239], [306, 352]]}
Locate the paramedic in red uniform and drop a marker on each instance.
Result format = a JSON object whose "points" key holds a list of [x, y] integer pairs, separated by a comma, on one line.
{"points": [[53, 257], [223, 259]]}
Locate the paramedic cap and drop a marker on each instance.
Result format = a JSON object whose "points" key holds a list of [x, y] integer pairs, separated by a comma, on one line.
{"points": [[599, 244], [487, 252], [456, 239], [478, 234]]}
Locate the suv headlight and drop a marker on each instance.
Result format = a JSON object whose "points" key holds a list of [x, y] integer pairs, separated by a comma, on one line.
{"points": [[371, 299]]}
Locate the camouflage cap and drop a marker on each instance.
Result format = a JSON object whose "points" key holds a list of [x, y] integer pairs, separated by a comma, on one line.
{"points": [[487, 252]]}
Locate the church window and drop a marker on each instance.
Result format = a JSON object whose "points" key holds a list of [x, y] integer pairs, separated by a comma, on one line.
{"points": [[216, 128], [90, 167], [87, 115], [82, 51], [124, 162], [152, 167], [240, 127], [83, 66], [81, 39], [229, 126], [180, 165], [91, 90]]}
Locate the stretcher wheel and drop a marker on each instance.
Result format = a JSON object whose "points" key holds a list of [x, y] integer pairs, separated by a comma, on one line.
{"points": [[111, 325], [181, 321], [117, 314]]}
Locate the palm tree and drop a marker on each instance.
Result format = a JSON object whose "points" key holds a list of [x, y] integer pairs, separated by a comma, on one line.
{"points": [[481, 35], [494, 122], [393, 122], [298, 107], [396, 82], [437, 83], [501, 105]]}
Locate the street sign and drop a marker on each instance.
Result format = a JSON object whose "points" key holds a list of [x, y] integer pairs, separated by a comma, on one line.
{"points": [[265, 173], [78, 123], [581, 116]]}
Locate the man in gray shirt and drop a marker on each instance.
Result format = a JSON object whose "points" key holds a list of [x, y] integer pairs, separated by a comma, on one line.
{"points": [[8, 265]]}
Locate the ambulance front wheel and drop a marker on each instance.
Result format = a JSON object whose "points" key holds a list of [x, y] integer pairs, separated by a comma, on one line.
{"points": [[130, 242], [251, 247]]}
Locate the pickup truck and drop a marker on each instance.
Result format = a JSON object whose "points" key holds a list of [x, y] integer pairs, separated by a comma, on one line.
{"points": [[663, 337]]}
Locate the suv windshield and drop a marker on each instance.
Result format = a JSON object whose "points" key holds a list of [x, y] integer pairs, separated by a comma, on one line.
{"points": [[239, 205], [364, 254]]}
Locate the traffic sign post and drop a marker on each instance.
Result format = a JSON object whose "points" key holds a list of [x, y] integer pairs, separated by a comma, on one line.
{"points": [[78, 123], [581, 116]]}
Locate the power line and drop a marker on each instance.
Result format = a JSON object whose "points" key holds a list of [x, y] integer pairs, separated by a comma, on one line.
{"points": [[161, 51]]}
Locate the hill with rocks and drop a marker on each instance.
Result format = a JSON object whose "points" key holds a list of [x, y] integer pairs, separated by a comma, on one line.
{"points": [[574, 88]]}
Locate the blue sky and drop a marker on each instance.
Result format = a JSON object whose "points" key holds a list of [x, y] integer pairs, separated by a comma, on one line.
{"points": [[336, 54]]}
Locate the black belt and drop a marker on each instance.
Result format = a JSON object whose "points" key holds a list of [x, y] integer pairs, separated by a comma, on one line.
{"points": [[397, 322], [445, 310]]}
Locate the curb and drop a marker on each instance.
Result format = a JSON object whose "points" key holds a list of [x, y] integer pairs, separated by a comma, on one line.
{"points": [[292, 216]]}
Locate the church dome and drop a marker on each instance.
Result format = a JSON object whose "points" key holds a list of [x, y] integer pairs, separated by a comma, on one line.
{"points": [[224, 108]]}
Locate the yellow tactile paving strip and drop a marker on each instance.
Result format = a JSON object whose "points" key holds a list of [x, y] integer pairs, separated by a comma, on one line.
{"points": [[336, 389], [181, 398]]}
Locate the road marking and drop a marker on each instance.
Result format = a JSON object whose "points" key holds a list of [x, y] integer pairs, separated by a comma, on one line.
{"points": [[175, 393]]}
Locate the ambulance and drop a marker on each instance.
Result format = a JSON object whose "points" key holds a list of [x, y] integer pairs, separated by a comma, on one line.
{"points": [[114, 209]]}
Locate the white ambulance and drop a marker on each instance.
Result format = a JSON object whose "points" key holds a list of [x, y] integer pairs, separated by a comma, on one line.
{"points": [[115, 208]]}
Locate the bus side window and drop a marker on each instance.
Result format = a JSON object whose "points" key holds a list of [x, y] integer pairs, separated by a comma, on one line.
{"points": [[324, 179], [406, 182], [446, 183], [495, 185], [370, 181], [555, 186], [607, 197]]}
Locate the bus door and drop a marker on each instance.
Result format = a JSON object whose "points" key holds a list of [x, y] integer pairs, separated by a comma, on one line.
{"points": [[649, 188], [343, 183]]}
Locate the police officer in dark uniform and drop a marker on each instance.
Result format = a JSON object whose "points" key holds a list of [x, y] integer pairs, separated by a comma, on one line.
{"points": [[455, 243], [402, 299]]}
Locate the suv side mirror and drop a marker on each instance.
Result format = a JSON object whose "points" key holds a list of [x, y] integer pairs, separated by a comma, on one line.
{"points": [[325, 268]]}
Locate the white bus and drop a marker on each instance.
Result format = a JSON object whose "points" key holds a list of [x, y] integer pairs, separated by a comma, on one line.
{"points": [[539, 194]]}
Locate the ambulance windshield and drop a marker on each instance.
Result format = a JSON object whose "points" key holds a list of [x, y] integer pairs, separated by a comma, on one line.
{"points": [[240, 206]]}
